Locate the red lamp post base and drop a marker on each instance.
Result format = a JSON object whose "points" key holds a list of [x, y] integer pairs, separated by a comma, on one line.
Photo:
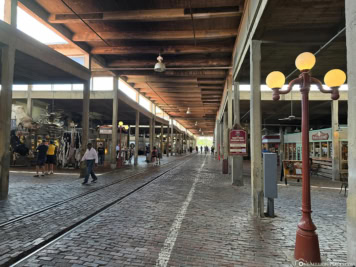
{"points": [[307, 247]]}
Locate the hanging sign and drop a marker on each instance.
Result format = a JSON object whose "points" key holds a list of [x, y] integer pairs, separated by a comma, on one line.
{"points": [[105, 130], [320, 136], [238, 143]]}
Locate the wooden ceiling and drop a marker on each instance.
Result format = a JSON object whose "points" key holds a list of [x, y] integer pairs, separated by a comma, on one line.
{"points": [[195, 37]]}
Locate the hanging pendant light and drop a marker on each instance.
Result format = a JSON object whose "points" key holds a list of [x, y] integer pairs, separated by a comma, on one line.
{"points": [[196, 123], [188, 111], [160, 66], [199, 129]]}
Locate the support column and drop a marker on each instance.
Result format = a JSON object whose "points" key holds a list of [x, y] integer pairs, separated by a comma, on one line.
{"points": [[335, 140], [350, 11], [167, 141], [151, 139], [137, 136], [225, 162], [85, 125], [10, 12], [237, 161], [115, 105], [218, 137], [161, 140], [255, 132], [172, 130], [29, 101], [7, 74], [229, 116], [281, 147]]}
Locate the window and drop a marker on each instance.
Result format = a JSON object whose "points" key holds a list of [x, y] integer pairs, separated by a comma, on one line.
{"points": [[20, 87], [78, 87], [35, 29], [144, 102], [62, 87], [42, 87], [103, 83], [127, 90], [79, 60]]}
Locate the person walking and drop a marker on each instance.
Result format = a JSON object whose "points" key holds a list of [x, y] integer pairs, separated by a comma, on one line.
{"points": [[201, 149], [91, 158], [51, 157], [101, 154], [41, 158], [154, 155]]}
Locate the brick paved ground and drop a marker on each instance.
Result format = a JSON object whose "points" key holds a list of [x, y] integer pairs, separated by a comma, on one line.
{"points": [[28, 194], [204, 220]]}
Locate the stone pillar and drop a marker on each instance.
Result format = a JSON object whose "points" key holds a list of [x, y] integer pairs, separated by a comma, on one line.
{"points": [[85, 124], [29, 101], [255, 132], [115, 105], [172, 131], [335, 140], [7, 74], [237, 161], [137, 136], [350, 11]]}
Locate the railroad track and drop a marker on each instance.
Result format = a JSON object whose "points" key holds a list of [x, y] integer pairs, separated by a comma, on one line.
{"points": [[59, 203], [23, 256]]}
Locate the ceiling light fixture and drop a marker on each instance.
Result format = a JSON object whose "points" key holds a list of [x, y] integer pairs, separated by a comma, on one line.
{"points": [[199, 129], [188, 111], [160, 66], [196, 123]]}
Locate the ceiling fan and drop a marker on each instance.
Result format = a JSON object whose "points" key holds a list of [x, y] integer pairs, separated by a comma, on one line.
{"points": [[291, 117]]}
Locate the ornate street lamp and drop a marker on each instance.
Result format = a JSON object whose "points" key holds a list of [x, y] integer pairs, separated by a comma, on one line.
{"points": [[306, 244]]}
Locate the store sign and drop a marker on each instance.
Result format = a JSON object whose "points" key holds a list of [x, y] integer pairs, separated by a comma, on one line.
{"points": [[320, 136], [238, 143], [105, 130]]}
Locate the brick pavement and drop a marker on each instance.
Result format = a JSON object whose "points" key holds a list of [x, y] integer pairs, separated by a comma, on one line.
{"points": [[28, 194], [21, 236], [215, 229]]}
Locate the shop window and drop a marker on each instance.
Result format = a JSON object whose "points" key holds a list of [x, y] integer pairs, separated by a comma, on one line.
{"points": [[324, 149], [317, 150]]}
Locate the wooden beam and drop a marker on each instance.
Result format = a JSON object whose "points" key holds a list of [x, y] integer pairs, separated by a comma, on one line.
{"points": [[155, 35], [144, 15], [171, 73], [139, 79], [165, 85], [165, 50], [133, 63]]}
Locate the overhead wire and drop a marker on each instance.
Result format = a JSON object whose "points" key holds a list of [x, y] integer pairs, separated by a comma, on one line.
{"points": [[191, 16]]}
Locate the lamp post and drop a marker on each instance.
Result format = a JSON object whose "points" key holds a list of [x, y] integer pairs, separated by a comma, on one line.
{"points": [[306, 244], [120, 161]]}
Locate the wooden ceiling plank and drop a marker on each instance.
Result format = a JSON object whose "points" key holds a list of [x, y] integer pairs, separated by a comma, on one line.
{"points": [[156, 35], [170, 14], [165, 50]]}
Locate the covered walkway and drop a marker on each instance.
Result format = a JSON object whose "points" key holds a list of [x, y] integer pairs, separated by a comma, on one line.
{"points": [[190, 215]]}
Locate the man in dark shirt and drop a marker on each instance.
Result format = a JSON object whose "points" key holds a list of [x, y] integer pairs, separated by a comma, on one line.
{"points": [[101, 154], [41, 157]]}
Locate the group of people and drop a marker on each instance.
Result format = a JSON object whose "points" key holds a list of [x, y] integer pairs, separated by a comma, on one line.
{"points": [[206, 149], [46, 158]]}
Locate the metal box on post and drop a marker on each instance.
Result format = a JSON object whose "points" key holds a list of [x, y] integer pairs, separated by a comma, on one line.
{"points": [[270, 180]]}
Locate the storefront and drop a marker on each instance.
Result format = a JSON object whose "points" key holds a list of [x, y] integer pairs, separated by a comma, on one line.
{"points": [[320, 149]]}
